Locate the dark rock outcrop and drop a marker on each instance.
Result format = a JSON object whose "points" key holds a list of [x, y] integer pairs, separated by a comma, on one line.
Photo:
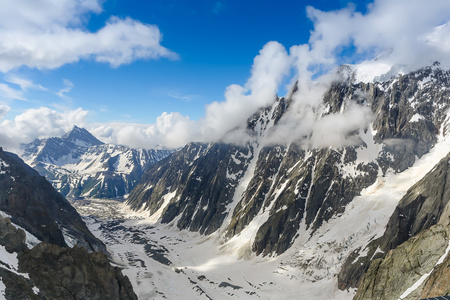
{"points": [[438, 283], [390, 277], [196, 177], [13, 239], [73, 273], [51, 269], [33, 204], [51, 272]]}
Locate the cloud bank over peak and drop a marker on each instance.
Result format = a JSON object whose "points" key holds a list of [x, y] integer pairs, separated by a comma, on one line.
{"points": [[47, 34], [37, 123], [400, 32]]}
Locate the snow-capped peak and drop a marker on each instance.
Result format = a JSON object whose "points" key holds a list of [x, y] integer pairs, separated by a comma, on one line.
{"points": [[81, 137]]}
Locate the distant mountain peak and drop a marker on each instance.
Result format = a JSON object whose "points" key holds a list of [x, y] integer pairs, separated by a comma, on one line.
{"points": [[80, 165], [81, 137]]}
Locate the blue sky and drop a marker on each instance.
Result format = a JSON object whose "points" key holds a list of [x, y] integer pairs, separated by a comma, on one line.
{"points": [[216, 42], [166, 72]]}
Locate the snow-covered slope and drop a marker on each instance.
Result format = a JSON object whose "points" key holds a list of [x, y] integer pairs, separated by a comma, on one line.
{"points": [[79, 165]]}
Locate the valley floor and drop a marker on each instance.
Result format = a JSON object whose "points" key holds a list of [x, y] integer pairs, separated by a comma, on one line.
{"points": [[165, 263]]}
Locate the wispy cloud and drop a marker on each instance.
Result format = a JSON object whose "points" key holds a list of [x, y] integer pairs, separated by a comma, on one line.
{"points": [[47, 34], [25, 84], [411, 33], [8, 92], [403, 31], [68, 86], [186, 98], [4, 109]]}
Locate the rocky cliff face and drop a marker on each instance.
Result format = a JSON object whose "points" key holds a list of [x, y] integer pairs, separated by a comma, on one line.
{"points": [[403, 268], [73, 273], [48, 271], [46, 250], [79, 165], [204, 192], [33, 204], [416, 236], [273, 193]]}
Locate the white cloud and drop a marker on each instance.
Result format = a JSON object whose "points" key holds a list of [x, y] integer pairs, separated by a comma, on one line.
{"points": [[4, 109], [338, 129], [38, 123], [171, 130], [440, 38], [50, 33], [410, 33], [402, 32], [269, 69], [179, 96]]}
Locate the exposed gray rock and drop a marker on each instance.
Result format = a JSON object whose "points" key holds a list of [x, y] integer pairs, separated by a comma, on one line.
{"points": [[438, 283], [73, 273], [197, 175], [17, 287], [53, 149], [390, 277], [58, 273], [34, 204], [13, 239], [49, 271]]}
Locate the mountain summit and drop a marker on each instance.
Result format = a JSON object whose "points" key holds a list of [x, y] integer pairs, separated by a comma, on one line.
{"points": [[81, 137], [60, 150]]}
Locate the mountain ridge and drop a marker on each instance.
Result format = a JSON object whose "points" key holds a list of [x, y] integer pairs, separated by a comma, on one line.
{"points": [[79, 165], [327, 179]]}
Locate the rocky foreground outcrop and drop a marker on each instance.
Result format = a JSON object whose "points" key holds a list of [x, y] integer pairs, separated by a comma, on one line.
{"points": [[391, 277], [51, 272], [46, 250], [33, 204]]}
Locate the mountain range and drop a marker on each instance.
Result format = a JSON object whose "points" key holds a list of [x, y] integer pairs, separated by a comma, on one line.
{"points": [[358, 208], [265, 198], [79, 165]]}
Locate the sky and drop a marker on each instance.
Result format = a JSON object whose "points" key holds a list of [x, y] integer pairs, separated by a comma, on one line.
{"points": [[165, 72]]}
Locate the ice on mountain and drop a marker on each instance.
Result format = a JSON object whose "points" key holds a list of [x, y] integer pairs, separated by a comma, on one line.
{"points": [[416, 118]]}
